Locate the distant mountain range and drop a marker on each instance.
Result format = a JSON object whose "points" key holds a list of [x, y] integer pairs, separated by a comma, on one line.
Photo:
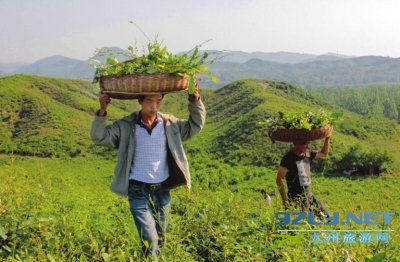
{"points": [[355, 71], [278, 57], [296, 68], [61, 66], [7, 68]]}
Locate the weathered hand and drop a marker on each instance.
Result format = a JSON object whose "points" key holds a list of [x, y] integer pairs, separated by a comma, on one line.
{"points": [[328, 137], [104, 100], [196, 91], [196, 94]]}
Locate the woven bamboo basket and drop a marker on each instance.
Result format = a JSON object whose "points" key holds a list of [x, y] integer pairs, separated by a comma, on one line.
{"points": [[132, 86], [300, 135]]}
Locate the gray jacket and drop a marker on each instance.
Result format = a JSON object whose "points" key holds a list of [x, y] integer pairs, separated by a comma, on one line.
{"points": [[120, 135]]}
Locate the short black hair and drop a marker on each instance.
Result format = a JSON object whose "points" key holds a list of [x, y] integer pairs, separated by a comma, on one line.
{"points": [[301, 142], [142, 97]]}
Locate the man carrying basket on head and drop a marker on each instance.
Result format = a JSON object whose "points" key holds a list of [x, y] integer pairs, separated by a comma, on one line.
{"points": [[295, 168], [151, 159]]}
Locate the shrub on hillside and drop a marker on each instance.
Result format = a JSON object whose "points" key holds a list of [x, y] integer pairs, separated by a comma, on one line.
{"points": [[361, 161]]}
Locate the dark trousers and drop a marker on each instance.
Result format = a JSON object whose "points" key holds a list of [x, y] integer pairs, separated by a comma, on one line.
{"points": [[308, 202]]}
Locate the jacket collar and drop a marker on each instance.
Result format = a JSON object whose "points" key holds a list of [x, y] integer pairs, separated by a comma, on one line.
{"points": [[132, 117]]}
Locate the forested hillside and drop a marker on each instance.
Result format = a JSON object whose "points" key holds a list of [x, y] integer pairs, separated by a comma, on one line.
{"points": [[51, 117], [374, 101]]}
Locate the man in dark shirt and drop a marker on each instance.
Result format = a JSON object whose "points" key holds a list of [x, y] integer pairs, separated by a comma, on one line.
{"points": [[295, 168]]}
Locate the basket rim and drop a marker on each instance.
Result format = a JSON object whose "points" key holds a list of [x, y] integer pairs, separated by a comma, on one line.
{"points": [[305, 129], [271, 133], [131, 86], [146, 75], [138, 94]]}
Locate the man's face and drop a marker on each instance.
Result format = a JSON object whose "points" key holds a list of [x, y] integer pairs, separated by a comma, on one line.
{"points": [[151, 104], [302, 147]]}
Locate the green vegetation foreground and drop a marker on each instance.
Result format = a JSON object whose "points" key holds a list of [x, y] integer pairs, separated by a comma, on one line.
{"points": [[62, 210]]}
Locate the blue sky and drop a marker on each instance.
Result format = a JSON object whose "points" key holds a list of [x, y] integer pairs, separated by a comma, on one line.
{"points": [[33, 29]]}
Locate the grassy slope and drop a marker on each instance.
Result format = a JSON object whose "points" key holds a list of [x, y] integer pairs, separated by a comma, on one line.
{"points": [[234, 136], [47, 117], [51, 117]]}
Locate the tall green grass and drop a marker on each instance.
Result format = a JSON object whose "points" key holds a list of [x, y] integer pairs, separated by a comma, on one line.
{"points": [[62, 210]]}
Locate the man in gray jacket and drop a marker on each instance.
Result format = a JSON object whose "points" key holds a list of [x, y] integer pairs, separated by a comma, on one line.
{"points": [[151, 159]]}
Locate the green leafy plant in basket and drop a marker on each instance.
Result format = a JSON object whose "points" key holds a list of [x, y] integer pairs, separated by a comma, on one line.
{"points": [[301, 126], [303, 120], [158, 60]]}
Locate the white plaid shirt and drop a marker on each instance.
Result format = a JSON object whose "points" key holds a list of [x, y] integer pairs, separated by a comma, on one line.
{"points": [[150, 164]]}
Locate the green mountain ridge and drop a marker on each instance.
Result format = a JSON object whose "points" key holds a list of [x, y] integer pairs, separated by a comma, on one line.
{"points": [[235, 135], [46, 117], [50, 117]]}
